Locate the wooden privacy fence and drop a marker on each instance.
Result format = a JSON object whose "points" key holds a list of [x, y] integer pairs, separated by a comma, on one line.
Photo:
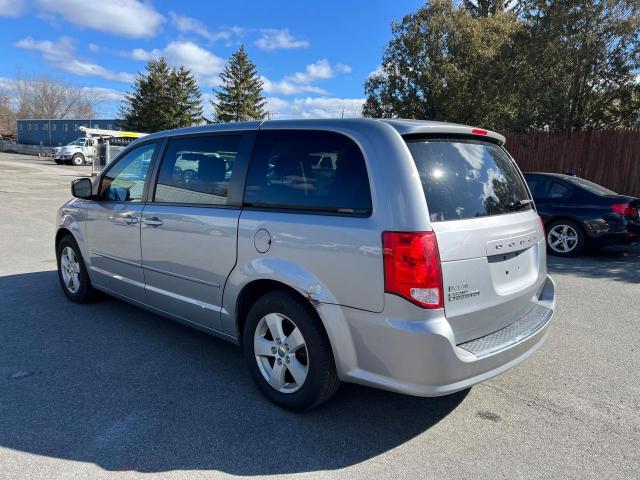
{"points": [[608, 157]]}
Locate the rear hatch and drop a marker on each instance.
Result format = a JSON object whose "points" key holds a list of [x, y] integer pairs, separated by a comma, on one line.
{"points": [[490, 238]]}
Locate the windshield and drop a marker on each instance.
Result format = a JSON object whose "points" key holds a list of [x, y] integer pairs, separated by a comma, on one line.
{"points": [[590, 186], [78, 141], [468, 179]]}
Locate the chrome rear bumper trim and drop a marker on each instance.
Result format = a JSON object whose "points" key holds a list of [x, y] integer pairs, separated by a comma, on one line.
{"points": [[522, 328]]}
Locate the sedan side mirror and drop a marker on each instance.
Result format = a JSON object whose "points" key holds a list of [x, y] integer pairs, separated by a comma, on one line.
{"points": [[82, 188]]}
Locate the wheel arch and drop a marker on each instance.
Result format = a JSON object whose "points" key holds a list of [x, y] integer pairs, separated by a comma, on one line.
{"points": [[70, 222], [262, 274], [556, 218], [63, 232], [255, 289]]}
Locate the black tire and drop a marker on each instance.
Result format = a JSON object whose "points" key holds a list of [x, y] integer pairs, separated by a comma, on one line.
{"points": [[577, 248], [85, 292], [322, 378], [59, 161], [77, 159]]}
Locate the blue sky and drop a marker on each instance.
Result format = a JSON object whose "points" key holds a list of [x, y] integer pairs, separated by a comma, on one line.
{"points": [[314, 55]]}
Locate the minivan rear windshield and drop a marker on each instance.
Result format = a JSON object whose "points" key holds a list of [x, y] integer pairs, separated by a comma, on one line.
{"points": [[467, 178]]}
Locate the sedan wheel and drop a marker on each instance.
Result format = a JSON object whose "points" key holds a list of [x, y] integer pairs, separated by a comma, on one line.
{"points": [[565, 238], [281, 353]]}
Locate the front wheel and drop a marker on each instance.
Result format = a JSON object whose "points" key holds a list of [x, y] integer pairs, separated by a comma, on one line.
{"points": [[288, 352], [72, 272], [565, 238], [77, 159]]}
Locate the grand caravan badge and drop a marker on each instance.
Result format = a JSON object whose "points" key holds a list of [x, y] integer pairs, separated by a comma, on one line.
{"points": [[461, 292]]}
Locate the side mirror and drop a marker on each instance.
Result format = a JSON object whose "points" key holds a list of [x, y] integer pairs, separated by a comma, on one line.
{"points": [[82, 188]]}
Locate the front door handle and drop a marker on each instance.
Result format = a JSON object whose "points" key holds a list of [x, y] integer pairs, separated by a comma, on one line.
{"points": [[127, 219], [152, 222]]}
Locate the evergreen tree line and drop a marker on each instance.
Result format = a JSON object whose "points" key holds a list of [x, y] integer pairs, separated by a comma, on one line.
{"points": [[165, 98], [519, 65]]}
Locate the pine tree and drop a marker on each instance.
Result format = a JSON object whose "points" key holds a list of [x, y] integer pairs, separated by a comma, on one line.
{"points": [[148, 107], [163, 98], [240, 97], [187, 99]]}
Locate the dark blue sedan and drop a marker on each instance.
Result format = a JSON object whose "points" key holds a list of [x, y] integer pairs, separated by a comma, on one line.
{"points": [[578, 213]]}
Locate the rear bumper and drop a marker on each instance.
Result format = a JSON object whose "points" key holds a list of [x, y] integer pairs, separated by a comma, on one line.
{"points": [[419, 356], [630, 236]]}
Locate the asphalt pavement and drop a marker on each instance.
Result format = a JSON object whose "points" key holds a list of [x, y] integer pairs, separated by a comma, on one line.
{"points": [[107, 390]]}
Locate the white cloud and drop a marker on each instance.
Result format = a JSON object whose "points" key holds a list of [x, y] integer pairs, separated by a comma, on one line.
{"points": [[11, 8], [302, 82], [129, 18], [321, 70], [6, 84], [286, 87], [378, 71], [274, 39], [315, 107], [186, 24], [61, 55], [140, 54], [105, 94], [205, 65]]}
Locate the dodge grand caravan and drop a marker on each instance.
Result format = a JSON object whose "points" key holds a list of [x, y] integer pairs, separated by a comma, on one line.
{"points": [[404, 255]]}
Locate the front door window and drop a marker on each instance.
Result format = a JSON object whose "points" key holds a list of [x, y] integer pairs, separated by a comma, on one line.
{"points": [[124, 182]]}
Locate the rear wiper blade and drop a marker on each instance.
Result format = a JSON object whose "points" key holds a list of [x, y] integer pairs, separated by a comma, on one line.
{"points": [[520, 204]]}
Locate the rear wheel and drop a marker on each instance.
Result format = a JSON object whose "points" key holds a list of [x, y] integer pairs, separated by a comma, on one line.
{"points": [[288, 352], [565, 238], [72, 272], [77, 159]]}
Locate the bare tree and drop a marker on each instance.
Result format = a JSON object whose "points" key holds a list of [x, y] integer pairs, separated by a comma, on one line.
{"points": [[7, 114], [44, 96]]}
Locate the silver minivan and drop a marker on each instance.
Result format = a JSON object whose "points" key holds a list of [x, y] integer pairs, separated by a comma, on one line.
{"points": [[400, 254]]}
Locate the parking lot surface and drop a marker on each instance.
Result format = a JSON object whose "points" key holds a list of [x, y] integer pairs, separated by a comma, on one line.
{"points": [[107, 390]]}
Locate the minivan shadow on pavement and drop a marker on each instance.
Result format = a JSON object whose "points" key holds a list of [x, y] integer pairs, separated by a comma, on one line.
{"points": [[114, 385], [619, 263]]}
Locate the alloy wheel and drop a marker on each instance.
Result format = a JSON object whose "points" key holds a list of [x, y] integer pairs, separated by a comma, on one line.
{"points": [[70, 269], [562, 238], [281, 353]]}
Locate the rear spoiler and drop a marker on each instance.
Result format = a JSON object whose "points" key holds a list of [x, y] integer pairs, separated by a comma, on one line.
{"points": [[496, 138], [448, 130]]}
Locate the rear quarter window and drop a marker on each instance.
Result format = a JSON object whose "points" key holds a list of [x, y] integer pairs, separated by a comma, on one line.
{"points": [[308, 170], [467, 179]]}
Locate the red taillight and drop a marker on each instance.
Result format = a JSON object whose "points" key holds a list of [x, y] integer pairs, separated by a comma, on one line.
{"points": [[412, 267], [479, 131], [624, 209]]}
